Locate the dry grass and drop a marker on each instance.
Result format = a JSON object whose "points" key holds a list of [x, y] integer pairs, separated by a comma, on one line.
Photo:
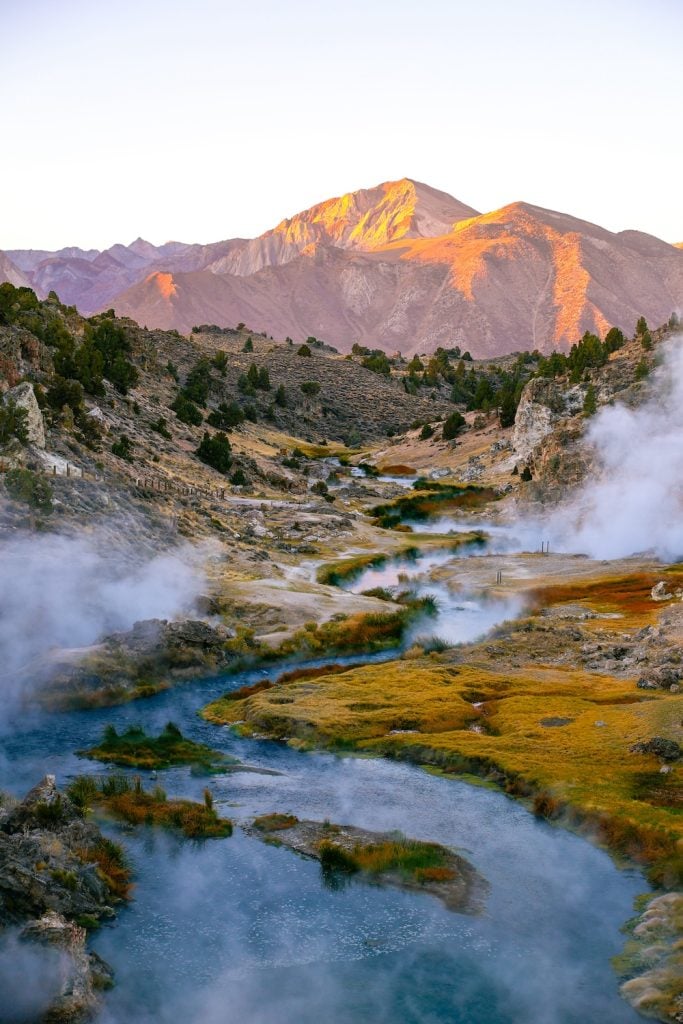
{"points": [[126, 799], [628, 596], [420, 709], [112, 867], [275, 822]]}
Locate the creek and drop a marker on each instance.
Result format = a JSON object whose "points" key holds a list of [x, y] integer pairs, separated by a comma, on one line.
{"points": [[233, 930]]}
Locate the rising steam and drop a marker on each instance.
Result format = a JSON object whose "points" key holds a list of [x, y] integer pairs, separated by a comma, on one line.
{"points": [[635, 504], [68, 592]]}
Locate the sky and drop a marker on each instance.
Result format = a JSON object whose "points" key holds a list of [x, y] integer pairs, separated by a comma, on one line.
{"points": [[215, 119]]}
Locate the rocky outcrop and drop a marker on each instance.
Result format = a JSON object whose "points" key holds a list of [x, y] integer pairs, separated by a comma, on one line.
{"points": [[667, 750], [82, 974], [151, 656], [24, 398], [544, 402], [52, 882], [48, 859]]}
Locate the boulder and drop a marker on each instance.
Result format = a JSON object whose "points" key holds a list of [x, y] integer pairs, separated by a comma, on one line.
{"points": [[668, 750], [661, 592], [24, 397]]}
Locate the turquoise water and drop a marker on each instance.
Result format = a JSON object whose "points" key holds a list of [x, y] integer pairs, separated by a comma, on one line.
{"points": [[228, 931]]}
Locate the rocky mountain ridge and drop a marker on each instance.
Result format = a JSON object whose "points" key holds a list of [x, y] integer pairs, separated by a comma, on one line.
{"points": [[400, 266]]}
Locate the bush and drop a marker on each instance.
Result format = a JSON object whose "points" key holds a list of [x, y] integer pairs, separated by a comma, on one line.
{"points": [[303, 350], [590, 403], [186, 410], [110, 340], [335, 858], [220, 361], [378, 363], [453, 425], [248, 346], [13, 422], [281, 397], [123, 448], [161, 427], [426, 432], [310, 387], [238, 478], [64, 392], [320, 487], [226, 416], [215, 451], [30, 488]]}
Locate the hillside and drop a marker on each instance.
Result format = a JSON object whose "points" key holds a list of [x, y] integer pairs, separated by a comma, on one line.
{"points": [[401, 267]]}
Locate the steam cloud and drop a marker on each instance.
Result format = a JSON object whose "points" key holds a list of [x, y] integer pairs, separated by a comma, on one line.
{"points": [[636, 502], [69, 592]]}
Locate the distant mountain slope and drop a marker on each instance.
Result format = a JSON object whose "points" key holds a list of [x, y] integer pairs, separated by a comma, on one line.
{"points": [[521, 277], [9, 271], [399, 266]]}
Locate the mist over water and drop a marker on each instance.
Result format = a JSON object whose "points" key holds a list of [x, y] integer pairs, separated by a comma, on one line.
{"points": [[69, 592], [233, 931]]}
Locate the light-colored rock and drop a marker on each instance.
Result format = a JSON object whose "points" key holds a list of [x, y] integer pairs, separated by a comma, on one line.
{"points": [[544, 403], [99, 417], [660, 592], [55, 465], [24, 397]]}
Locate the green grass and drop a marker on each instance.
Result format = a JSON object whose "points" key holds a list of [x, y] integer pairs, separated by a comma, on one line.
{"points": [[334, 573], [432, 499], [415, 860], [135, 749]]}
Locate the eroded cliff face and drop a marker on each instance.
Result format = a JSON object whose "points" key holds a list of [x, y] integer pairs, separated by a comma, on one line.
{"points": [[544, 403]]}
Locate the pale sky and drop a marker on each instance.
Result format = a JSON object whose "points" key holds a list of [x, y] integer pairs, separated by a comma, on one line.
{"points": [[213, 119]]}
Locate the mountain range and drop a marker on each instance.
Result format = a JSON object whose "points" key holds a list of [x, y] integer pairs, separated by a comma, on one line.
{"points": [[401, 266]]}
